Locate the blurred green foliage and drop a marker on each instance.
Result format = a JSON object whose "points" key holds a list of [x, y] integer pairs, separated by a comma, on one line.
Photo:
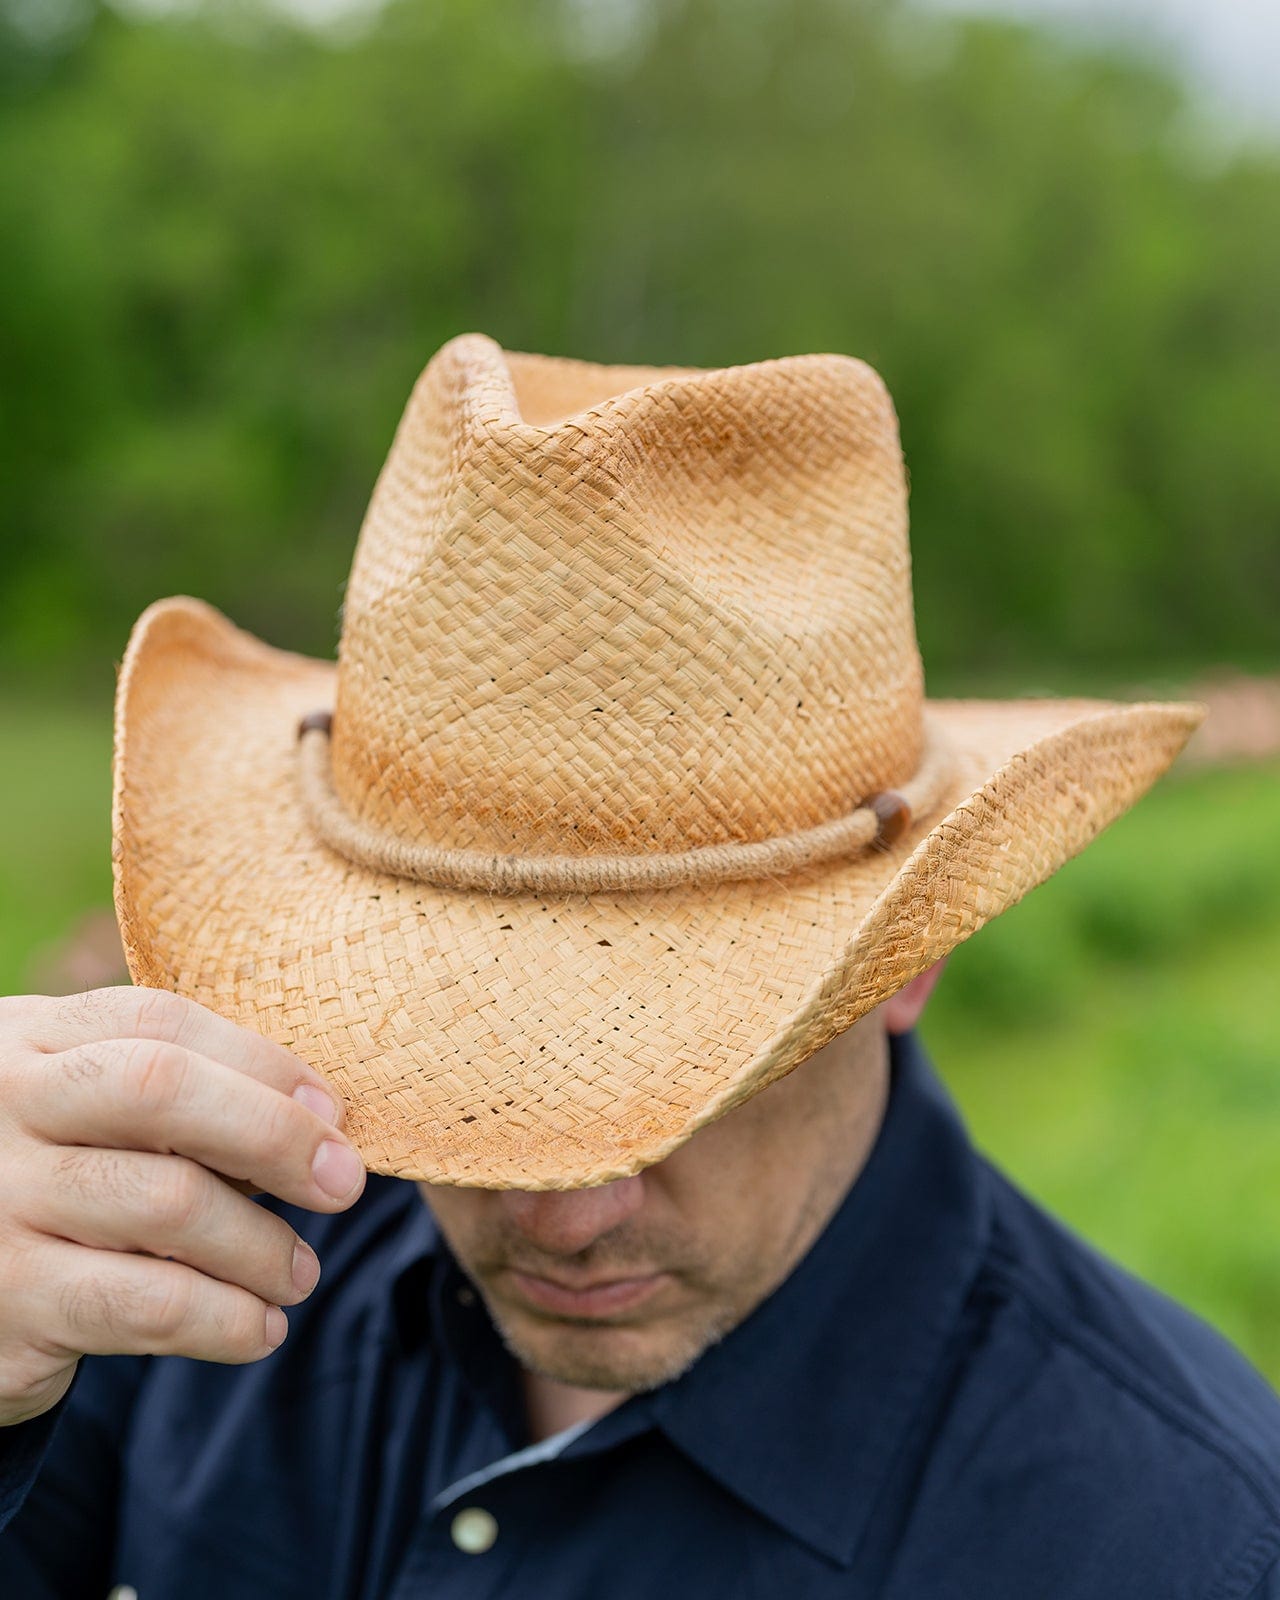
{"points": [[231, 244], [55, 814]]}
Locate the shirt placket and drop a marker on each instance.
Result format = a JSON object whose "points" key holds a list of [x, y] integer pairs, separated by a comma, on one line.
{"points": [[468, 1541], [495, 1532]]}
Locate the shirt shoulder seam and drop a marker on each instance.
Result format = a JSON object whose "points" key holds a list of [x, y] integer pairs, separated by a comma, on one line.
{"points": [[1093, 1352]]}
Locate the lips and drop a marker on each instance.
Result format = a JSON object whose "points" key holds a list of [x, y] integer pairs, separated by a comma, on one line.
{"points": [[604, 1298]]}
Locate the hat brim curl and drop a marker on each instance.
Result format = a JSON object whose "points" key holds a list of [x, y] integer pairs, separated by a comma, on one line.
{"points": [[552, 1043]]}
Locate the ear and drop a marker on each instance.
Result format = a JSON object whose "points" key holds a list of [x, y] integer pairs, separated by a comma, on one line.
{"points": [[902, 1011]]}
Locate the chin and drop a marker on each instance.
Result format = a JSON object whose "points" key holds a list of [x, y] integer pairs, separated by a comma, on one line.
{"points": [[614, 1357]]}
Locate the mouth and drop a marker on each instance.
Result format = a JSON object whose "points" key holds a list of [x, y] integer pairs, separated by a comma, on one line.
{"points": [[604, 1298]]}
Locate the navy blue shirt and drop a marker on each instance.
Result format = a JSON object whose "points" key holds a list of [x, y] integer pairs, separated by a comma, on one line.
{"points": [[951, 1398]]}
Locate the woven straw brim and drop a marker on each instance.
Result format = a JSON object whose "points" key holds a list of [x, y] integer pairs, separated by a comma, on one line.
{"points": [[540, 1043]]}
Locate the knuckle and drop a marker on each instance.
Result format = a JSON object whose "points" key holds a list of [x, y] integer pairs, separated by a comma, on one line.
{"points": [[156, 1076], [164, 1306], [177, 1196], [157, 1010]]}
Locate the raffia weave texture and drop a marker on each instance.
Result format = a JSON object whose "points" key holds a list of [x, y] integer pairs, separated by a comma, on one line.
{"points": [[593, 610]]}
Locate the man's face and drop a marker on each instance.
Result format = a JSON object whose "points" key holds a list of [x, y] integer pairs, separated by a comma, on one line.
{"points": [[623, 1286]]}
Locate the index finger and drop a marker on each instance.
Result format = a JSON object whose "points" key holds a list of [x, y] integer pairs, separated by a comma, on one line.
{"points": [[128, 1012]]}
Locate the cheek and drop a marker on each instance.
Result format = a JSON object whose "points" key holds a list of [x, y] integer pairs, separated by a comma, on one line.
{"points": [[758, 1185], [735, 1190], [462, 1215]]}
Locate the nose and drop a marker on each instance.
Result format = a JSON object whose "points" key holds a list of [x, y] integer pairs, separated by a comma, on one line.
{"points": [[564, 1222]]}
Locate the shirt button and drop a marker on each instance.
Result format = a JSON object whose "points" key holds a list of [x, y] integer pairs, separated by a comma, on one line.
{"points": [[474, 1530]]}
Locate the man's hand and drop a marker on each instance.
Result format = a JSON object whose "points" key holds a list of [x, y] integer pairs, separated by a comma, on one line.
{"points": [[126, 1118]]}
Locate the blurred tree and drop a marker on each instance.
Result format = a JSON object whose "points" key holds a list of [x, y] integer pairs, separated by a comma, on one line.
{"points": [[231, 244]]}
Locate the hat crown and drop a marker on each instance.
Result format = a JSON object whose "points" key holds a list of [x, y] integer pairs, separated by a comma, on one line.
{"points": [[598, 609]]}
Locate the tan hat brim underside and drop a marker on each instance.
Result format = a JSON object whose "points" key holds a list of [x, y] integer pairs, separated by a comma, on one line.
{"points": [[536, 1043]]}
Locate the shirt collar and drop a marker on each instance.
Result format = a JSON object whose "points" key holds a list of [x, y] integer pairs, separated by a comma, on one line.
{"points": [[802, 1409]]}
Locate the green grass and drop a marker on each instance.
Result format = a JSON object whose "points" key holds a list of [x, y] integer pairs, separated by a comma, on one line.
{"points": [[1114, 1041]]}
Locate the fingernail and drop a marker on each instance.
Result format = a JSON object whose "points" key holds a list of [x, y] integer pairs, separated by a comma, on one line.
{"points": [[337, 1169], [324, 1105], [277, 1327], [306, 1267]]}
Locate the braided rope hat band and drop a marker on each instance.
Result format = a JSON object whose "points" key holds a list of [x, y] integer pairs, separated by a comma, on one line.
{"points": [[572, 870], [879, 822]]}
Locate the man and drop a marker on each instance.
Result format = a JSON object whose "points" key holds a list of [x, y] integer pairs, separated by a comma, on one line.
{"points": [[598, 897]]}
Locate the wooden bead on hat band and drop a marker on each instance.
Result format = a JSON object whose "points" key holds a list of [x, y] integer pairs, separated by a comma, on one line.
{"points": [[878, 823]]}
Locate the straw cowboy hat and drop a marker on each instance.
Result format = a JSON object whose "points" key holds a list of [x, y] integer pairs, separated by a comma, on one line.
{"points": [[623, 796]]}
